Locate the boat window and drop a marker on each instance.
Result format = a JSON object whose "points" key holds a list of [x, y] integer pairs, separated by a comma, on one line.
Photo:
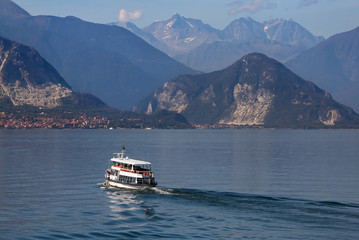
{"points": [[127, 166], [125, 179], [133, 180], [137, 168], [141, 168]]}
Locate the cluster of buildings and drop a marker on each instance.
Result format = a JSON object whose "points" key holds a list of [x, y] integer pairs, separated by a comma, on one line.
{"points": [[221, 126], [12, 120], [24, 121]]}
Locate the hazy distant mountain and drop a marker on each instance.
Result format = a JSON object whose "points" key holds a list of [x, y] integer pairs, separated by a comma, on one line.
{"points": [[290, 32], [182, 34], [334, 66], [245, 30], [218, 55], [108, 61], [148, 37], [256, 90], [204, 48], [27, 79], [280, 39], [9, 8]]}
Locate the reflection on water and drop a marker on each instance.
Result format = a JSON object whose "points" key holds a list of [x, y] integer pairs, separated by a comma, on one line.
{"points": [[122, 203]]}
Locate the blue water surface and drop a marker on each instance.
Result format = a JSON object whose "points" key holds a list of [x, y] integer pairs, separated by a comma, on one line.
{"points": [[213, 184]]}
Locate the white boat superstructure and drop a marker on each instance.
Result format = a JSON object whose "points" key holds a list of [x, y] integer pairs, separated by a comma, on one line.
{"points": [[129, 173]]}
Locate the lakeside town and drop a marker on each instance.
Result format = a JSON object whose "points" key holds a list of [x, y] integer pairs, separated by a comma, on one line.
{"points": [[83, 121], [13, 121]]}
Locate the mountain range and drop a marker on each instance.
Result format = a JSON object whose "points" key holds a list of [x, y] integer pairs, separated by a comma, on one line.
{"points": [[31, 89], [334, 66], [28, 79], [205, 48], [120, 67], [256, 90], [108, 61]]}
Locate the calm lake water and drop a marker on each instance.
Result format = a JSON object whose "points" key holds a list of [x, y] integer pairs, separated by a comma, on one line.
{"points": [[213, 184]]}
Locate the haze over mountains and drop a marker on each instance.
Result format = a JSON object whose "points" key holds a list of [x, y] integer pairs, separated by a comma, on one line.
{"points": [[205, 48], [334, 66], [121, 68], [108, 61], [32, 92], [27, 79], [256, 90]]}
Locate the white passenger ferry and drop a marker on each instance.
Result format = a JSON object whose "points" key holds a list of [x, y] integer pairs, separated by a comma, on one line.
{"points": [[129, 173]]}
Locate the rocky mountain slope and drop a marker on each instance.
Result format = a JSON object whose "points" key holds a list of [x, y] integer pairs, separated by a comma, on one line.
{"points": [[244, 30], [182, 34], [204, 48], [108, 61], [256, 90], [290, 32], [278, 38], [334, 66], [27, 79], [148, 37]]}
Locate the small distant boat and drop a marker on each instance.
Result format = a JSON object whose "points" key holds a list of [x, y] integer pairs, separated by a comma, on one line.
{"points": [[129, 173]]}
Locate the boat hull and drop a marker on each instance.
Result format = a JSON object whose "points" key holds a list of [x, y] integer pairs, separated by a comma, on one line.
{"points": [[128, 186]]}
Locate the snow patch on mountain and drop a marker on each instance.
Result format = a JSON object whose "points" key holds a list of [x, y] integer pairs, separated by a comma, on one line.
{"points": [[170, 24], [190, 24], [187, 40]]}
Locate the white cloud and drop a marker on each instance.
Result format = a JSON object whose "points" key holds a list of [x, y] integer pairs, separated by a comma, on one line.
{"points": [[126, 16], [250, 6]]}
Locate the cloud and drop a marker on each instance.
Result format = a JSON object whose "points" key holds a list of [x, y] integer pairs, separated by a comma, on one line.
{"points": [[126, 16], [306, 3], [250, 6]]}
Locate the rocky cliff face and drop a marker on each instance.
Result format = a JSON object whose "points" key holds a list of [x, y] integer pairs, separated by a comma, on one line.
{"points": [[44, 96], [27, 79], [256, 90], [250, 107]]}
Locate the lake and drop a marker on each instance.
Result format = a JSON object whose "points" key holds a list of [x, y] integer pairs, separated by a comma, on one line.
{"points": [[213, 184]]}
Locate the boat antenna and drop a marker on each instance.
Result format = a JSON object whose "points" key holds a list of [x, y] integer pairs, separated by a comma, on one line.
{"points": [[122, 154], [123, 148]]}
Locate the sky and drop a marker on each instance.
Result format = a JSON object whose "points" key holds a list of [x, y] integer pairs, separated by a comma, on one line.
{"points": [[320, 17]]}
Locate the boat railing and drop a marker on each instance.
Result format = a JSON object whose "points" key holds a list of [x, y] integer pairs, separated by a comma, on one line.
{"points": [[121, 154], [143, 172]]}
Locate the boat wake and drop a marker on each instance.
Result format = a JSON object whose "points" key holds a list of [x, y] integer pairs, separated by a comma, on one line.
{"points": [[227, 208], [232, 199]]}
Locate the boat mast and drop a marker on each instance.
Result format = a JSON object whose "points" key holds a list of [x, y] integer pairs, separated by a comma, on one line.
{"points": [[122, 154]]}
